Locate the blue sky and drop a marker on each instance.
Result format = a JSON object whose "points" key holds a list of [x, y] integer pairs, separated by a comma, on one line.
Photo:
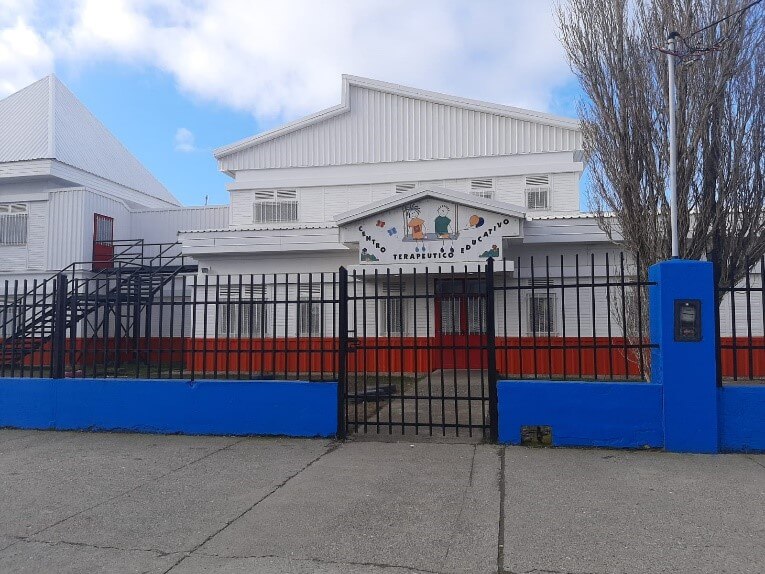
{"points": [[174, 79], [145, 110]]}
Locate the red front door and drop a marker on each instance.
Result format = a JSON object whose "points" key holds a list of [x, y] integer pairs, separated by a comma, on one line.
{"points": [[460, 308], [103, 242]]}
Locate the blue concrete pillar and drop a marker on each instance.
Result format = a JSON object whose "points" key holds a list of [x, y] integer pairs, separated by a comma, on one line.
{"points": [[687, 369]]}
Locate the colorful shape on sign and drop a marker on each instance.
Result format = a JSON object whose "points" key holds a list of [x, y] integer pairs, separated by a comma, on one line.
{"points": [[493, 252], [366, 256], [392, 231], [475, 221], [443, 222], [380, 223]]}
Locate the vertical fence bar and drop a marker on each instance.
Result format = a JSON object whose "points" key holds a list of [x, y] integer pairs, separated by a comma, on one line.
{"points": [[749, 338], [733, 327], [415, 350], [641, 357], [608, 320], [563, 316], [594, 319], [74, 305], [59, 329], [43, 334], [429, 349], [491, 350], [519, 298], [6, 355], [194, 313], [342, 355], [625, 324]]}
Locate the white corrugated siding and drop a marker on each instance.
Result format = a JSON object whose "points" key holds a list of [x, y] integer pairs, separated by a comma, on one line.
{"points": [[384, 127], [24, 123], [37, 235], [67, 226], [71, 224], [32, 255], [162, 226]]}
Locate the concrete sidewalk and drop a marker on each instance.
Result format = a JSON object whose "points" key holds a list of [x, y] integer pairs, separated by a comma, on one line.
{"points": [[76, 502]]}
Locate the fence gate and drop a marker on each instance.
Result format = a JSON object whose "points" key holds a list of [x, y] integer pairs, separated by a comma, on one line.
{"points": [[417, 352]]}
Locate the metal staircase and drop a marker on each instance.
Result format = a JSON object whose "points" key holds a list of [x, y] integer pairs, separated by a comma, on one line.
{"points": [[81, 301]]}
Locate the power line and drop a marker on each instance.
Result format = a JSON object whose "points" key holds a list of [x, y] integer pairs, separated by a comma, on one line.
{"points": [[721, 20], [691, 52]]}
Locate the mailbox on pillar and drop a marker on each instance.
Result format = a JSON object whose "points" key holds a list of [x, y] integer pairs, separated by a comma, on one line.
{"points": [[687, 320]]}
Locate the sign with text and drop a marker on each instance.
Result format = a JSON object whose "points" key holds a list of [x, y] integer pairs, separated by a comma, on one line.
{"points": [[433, 230]]}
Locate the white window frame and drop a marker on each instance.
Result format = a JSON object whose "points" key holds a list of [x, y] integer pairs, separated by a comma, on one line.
{"points": [[482, 187], [532, 313], [537, 185], [404, 186], [476, 303], [275, 206], [451, 315], [392, 315], [310, 310], [248, 305], [14, 224]]}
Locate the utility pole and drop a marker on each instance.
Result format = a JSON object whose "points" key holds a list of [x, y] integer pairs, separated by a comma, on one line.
{"points": [[672, 145]]}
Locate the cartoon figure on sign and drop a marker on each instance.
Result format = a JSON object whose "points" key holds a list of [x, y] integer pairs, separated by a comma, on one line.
{"points": [[493, 252], [475, 222], [415, 224], [443, 222], [366, 256]]}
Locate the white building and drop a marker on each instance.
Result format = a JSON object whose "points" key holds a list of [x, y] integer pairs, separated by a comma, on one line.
{"points": [[393, 179], [65, 181], [295, 188]]}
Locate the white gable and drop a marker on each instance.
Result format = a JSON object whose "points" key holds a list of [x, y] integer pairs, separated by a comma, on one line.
{"points": [[46, 121], [379, 122], [431, 224]]}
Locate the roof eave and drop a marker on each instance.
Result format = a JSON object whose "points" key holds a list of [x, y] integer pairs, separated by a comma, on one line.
{"points": [[445, 194]]}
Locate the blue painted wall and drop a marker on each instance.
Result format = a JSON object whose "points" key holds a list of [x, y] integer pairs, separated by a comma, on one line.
{"points": [[616, 415], [292, 408], [688, 371], [742, 419]]}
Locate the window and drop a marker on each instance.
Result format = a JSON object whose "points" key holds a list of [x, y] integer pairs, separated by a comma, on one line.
{"points": [[451, 315], [405, 187], [13, 224], [538, 191], [462, 306], [275, 206], [310, 323], [482, 187], [391, 308], [240, 312], [542, 313], [476, 315]]}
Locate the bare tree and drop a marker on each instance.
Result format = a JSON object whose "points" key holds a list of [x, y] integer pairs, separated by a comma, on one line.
{"points": [[720, 125]]}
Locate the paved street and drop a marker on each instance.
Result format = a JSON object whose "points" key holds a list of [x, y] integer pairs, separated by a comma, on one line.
{"points": [[119, 503]]}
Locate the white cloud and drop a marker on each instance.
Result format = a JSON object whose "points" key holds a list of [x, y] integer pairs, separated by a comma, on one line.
{"points": [[184, 141], [24, 56], [282, 59]]}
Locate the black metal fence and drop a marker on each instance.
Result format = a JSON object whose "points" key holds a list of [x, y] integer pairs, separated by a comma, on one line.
{"points": [[161, 322], [574, 317], [742, 328], [150, 315]]}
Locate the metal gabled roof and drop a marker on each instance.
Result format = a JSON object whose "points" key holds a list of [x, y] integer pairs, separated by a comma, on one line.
{"points": [[46, 121], [435, 192], [382, 122]]}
